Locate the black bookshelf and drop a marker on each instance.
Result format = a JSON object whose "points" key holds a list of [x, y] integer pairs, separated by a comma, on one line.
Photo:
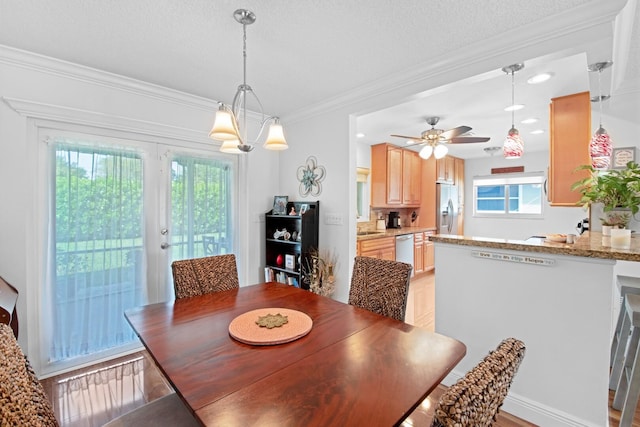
{"points": [[287, 252]]}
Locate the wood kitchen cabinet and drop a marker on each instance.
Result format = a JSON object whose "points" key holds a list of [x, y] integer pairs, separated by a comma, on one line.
{"points": [[459, 182], [383, 248], [411, 178], [429, 252], [569, 135], [395, 177], [427, 217], [445, 169], [418, 253]]}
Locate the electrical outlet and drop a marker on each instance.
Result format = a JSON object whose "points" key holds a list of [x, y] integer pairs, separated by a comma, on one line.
{"points": [[333, 219]]}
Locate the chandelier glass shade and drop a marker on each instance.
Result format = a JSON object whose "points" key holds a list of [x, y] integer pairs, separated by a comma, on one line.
{"points": [[513, 145], [231, 122], [600, 145]]}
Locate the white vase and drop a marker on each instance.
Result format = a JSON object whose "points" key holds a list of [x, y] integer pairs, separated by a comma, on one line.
{"points": [[606, 230]]}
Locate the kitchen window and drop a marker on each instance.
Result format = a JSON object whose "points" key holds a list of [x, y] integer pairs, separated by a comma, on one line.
{"points": [[508, 195]]}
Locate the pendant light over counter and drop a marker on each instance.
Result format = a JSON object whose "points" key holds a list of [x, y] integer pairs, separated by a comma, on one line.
{"points": [[513, 146], [600, 146]]}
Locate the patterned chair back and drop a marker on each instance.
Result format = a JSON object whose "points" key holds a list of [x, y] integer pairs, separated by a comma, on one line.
{"points": [[476, 398], [381, 286], [23, 401], [198, 276]]}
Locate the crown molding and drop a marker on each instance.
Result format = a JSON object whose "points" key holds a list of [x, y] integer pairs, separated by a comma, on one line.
{"points": [[573, 24], [69, 70], [76, 116]]}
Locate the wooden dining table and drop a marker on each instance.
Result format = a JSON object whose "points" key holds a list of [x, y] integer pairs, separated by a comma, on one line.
{"points": [[353, 367]]}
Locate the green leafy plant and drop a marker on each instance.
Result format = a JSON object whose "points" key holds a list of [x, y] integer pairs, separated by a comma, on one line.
{"points": [[615, 189]]}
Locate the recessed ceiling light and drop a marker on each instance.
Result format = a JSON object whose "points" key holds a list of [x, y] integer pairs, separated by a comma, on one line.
{"points": [[529, 120], [537, 132], [514, 107], [539, 78], [359, 135]]}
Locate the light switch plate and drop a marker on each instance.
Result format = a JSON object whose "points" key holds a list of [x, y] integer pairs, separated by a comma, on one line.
{"points": [[333, 219]]}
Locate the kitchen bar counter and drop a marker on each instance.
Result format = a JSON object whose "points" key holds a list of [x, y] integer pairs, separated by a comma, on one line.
{"points": [[588, 245], [392, 232], [557, 298]]}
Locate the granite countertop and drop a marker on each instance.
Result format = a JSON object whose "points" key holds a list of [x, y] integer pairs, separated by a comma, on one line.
{"points": [[587, 245], [392, 232]]}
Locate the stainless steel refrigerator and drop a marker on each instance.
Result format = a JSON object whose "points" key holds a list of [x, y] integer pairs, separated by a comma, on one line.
{"points": [[447, 208]]}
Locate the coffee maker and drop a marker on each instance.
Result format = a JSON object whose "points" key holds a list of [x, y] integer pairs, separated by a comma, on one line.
{"points": [[394, 220]]}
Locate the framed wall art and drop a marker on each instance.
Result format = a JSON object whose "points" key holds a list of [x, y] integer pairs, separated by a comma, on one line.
{"points": [[622, 156], [280, 205]]}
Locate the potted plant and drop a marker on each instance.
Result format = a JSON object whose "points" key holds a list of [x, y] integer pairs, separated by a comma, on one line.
{"points": [[617, 189]]}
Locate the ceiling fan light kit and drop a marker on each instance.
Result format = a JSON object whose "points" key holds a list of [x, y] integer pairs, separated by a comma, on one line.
{"points": [[230, 124], [435, 141], [513, 146], [426, 152], [600, 146]]}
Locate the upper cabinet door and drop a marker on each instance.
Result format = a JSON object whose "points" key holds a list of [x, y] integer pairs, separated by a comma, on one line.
{"points": [[395, 177], [411, 178], [570, 132]]}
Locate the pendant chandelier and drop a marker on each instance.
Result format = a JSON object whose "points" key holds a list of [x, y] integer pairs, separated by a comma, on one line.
{"points": [[600, 146], [230, 124], [513, 145]]}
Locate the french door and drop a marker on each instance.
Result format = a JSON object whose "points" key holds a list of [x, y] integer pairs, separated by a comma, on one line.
{"points": [[120, 211]]}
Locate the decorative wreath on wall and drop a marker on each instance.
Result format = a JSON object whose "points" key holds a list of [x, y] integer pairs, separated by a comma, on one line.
{"points": [[310, 176]]}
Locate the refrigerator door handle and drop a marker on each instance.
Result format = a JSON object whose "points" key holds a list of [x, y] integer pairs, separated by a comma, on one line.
{"points": [[450, 209]]}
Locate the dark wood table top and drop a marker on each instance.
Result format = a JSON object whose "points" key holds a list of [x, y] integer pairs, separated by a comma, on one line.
{"points": [[354, 367]]}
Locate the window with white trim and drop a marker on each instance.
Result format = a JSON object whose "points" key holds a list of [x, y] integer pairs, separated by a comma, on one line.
{"points": [[508, 195]]}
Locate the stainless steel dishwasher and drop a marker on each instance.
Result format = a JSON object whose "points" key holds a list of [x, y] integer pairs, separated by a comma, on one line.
{"points": [[404, 249]]}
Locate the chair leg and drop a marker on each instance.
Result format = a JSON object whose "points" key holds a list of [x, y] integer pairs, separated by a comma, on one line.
{"points": [[618, 360], [624, 383], [617, 334], [633, 387]]}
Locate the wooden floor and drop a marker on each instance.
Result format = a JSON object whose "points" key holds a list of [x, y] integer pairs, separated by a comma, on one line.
{"points": [[92, 396]]}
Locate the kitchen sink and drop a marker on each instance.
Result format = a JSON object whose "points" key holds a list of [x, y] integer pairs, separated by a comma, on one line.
{"points": [[367, 233]]}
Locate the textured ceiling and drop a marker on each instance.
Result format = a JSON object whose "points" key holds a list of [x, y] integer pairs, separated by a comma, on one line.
{"points": [[300, 52]]}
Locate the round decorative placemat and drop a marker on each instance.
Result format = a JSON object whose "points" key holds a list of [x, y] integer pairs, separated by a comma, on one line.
{"points": [[245, 329]]}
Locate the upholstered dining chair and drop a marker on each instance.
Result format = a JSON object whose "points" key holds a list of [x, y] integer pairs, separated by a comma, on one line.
{"points": [[476, 398], [200, 276], [381, 286], [23, 401]]}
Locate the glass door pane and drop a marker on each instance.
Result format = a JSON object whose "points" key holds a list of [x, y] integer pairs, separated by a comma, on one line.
{"points": [[201, 207], [97, 249]]}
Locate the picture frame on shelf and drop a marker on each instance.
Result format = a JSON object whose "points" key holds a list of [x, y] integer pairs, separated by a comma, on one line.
{"points": [[280, 205], [289, 262], [621, 156], [303, 208]]}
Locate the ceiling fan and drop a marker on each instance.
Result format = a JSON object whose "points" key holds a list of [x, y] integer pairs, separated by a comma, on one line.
{"points": [[451, 136]]}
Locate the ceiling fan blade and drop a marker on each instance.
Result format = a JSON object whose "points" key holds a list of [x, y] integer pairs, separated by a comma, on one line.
{"points": [[415, 138], [468, 139], [452, 133]]}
